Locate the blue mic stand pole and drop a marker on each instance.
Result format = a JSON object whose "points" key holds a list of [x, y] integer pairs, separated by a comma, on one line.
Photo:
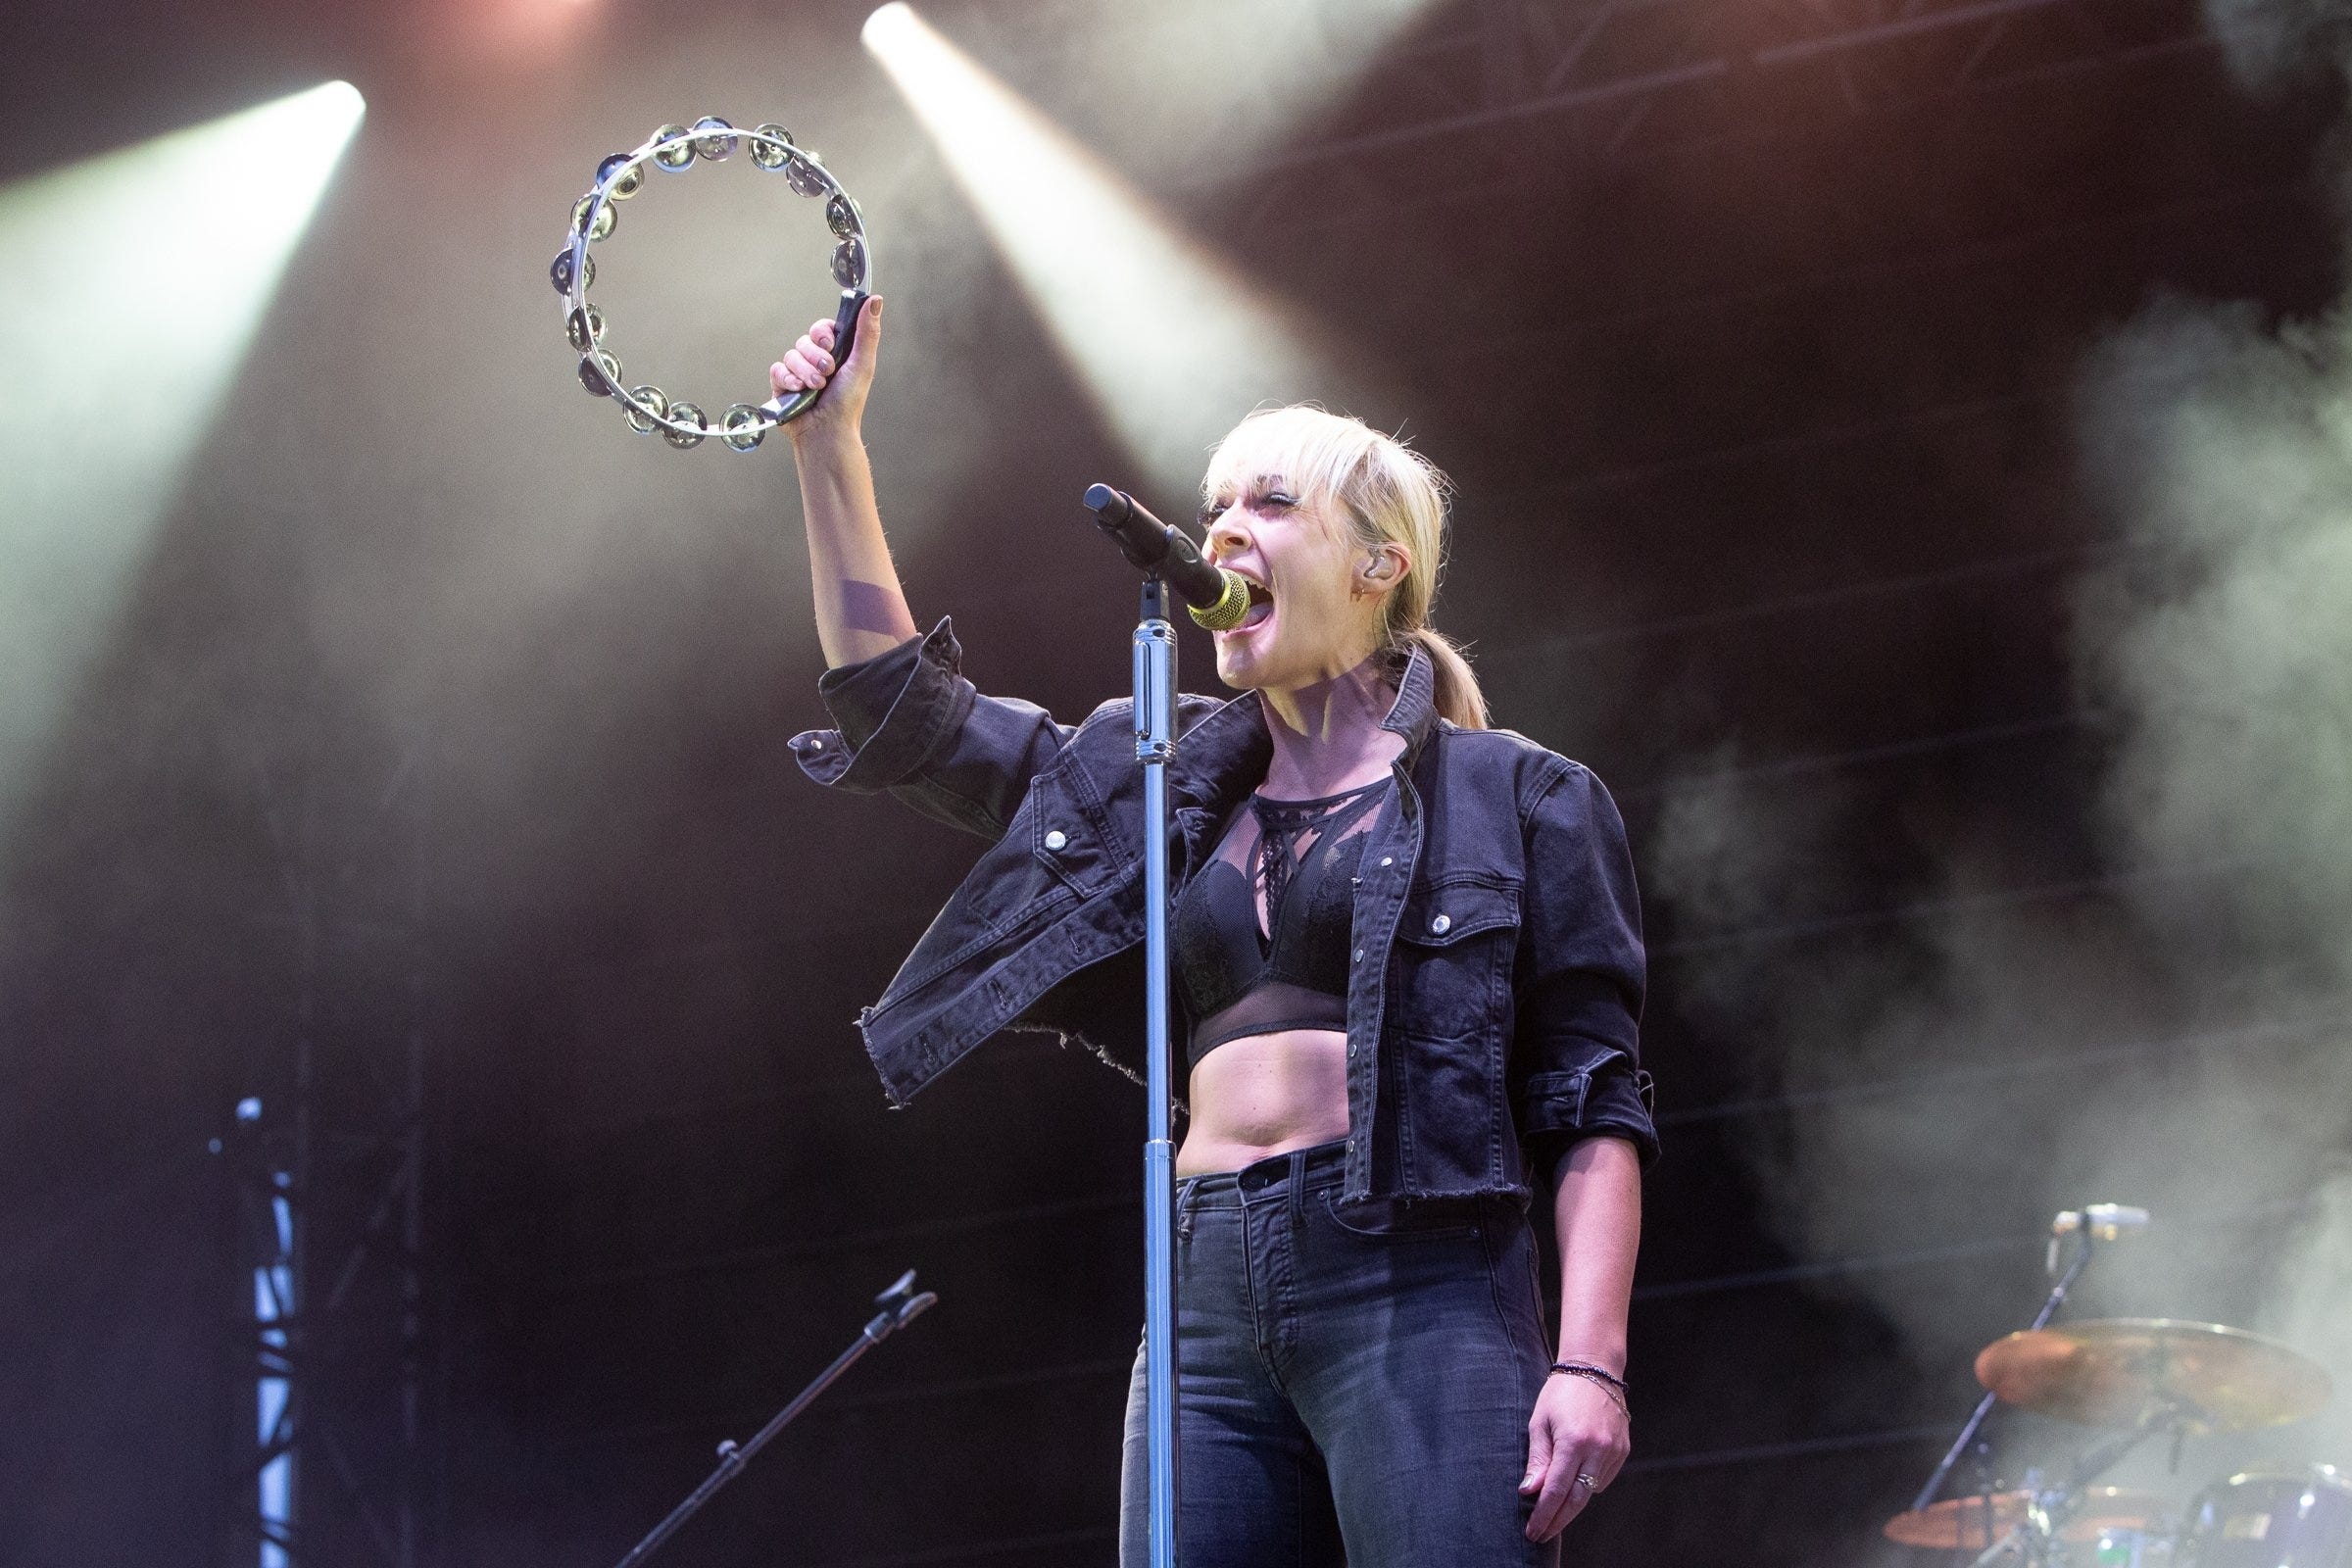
{"points": [[1161, 553], [1154, 748]]}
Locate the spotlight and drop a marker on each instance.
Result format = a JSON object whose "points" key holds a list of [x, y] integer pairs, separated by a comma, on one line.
{"points": [[888, 25], [134, 283]]}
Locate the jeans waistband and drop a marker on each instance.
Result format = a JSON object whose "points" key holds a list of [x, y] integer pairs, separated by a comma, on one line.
{"points": [[1301, 1169]]}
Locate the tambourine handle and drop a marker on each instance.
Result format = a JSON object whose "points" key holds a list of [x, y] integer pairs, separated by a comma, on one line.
{"points": [[845, 336]]}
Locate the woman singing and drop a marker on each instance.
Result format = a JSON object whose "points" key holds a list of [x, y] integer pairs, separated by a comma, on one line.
{"points": [[1408, 955]]}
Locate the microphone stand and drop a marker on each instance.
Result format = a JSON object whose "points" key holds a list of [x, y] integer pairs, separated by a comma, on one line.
{"points": [[1154, 748], [900, 1305], [1967, 1433], [1161, 553]]}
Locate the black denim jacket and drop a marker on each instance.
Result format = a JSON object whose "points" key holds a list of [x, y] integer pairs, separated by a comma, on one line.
{"points": [[1492, 1015]]}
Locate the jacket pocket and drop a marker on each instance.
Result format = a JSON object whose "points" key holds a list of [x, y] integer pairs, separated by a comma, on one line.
{"points": [[1457, 908], [1454, 945]]}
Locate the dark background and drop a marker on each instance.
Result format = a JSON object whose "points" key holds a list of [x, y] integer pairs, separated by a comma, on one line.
{"points": [[448, 714]]}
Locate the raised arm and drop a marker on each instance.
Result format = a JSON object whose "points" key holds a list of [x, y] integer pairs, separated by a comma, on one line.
{"points": [[910, 723], [860, 608]]}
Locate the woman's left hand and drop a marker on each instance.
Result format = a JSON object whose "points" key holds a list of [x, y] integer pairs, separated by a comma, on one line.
{"points": [[1579, 1429]]}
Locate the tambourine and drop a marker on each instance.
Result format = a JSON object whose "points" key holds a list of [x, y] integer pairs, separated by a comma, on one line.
{"points": [[673, 150]]}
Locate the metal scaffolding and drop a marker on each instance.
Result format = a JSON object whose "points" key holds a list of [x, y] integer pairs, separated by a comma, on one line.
{"points": [[1600, 82], [330, 1151]]}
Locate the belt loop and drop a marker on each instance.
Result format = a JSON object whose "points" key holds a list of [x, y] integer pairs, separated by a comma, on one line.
{"points": [[1297, 1188], [1184, 1209]]}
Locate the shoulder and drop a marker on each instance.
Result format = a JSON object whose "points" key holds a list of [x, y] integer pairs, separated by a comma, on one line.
{"points": [[1505, 759], [1117, 713]]}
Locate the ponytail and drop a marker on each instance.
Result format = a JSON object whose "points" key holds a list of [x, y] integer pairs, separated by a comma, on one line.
{"points": [[1456, 695]]}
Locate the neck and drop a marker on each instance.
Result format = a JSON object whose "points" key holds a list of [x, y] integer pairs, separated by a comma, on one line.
{"points": [[1327, 736]]}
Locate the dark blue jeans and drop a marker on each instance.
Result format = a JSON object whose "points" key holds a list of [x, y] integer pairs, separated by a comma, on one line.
{"points": [[1348, 1392]]}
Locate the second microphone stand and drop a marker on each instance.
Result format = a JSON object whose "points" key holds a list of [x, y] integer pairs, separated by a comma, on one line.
{"points": [[1976, 1420], [900, 1305]]}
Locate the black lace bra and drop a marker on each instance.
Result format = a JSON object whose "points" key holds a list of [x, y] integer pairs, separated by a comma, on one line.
{"points": [[1260, 934]]}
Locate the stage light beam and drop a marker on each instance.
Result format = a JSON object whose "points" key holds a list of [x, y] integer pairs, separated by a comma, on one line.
{"points": [[1174, 345], [1237, 78], [130, 287]]}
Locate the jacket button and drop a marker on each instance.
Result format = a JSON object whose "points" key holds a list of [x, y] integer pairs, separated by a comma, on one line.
{"points": [[1388, 859], [1441, 925], [1057, 839], [1359, 955]]}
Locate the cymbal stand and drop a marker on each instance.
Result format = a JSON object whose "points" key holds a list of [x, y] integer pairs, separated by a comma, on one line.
{"points": [[1988, 1486], [2030, 1538], [2102, 1457], [2017, 1539], [2052, 1506], [1977, 1417]]}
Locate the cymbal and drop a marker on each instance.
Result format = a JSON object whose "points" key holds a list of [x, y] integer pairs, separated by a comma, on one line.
{"points": [[1958, 1522], [2199, 1378]]}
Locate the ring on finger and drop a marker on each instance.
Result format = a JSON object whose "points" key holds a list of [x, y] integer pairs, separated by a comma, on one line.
{"points": [[1588, 1482]]}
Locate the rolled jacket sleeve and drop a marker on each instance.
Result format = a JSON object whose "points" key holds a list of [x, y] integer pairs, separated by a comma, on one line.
{"points": [[908, 723], [1579, 978]]}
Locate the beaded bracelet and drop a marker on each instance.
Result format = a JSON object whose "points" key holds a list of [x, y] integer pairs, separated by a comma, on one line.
{"points": [[1614, 1385]]}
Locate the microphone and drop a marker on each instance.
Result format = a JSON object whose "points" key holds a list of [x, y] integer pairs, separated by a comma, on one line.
{"points": [[2104, 1222], [1219, 598]]}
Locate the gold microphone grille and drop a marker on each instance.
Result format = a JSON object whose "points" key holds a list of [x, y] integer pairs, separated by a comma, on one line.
{"points": [[1227, 613]]}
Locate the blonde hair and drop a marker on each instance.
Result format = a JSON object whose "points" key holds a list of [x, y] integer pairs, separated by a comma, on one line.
{"points": [[1389, 494]]}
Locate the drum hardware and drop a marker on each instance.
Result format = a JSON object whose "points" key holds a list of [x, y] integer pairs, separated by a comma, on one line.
{"points": [[1983, 1520], [2144, 1378], [2071, 1511], [2140, 1378]]}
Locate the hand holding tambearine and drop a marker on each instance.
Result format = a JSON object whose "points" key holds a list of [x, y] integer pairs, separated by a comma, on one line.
{"points": [[808, 365]]}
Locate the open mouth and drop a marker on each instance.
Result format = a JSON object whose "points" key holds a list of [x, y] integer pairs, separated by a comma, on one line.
{"points": [[1262, 606]]}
